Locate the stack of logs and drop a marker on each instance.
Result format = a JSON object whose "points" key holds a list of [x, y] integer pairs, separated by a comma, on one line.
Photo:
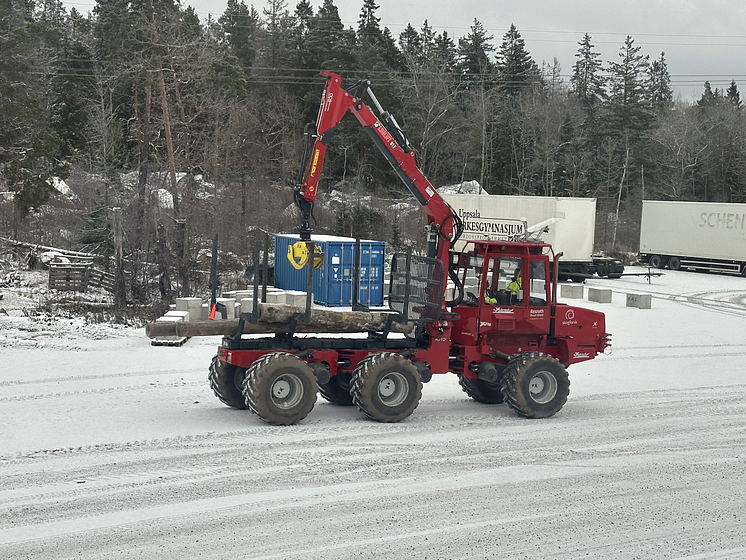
{"points": [[276, 318]]}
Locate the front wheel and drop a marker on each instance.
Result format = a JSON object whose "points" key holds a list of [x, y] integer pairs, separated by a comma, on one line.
{"points": [[386, 387], [280, 388], [535, 385]]}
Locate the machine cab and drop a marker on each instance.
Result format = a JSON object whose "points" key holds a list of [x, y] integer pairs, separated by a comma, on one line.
{"points": [[506, 291]]}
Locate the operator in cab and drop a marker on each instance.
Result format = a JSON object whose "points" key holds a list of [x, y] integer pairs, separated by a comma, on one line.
{"points": [[515, 283]]}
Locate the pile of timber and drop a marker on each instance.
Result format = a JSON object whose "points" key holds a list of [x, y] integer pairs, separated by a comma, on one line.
{"points": [[276, 318]]}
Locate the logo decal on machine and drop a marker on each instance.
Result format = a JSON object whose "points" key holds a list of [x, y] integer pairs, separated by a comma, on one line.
{"points": [[504, 310], [570, 318], [315, 162], [580, 355]]}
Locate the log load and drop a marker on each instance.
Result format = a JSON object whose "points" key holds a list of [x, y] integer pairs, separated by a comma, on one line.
{"points": [[275, 318]]}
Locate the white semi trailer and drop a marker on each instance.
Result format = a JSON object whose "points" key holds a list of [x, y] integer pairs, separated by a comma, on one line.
{"points": [[568, 224], [694, 235]]}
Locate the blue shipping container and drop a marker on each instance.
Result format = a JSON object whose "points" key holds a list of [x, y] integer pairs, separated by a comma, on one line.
{"points": [[332, 283]]}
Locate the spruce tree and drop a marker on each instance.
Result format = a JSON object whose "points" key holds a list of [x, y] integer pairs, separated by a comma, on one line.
{"points": [[732, 94], [587, 81], [659, 84], [474, 52], [517, 71]]}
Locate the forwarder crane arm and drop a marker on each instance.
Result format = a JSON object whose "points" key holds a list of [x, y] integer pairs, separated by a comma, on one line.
{"points": [[444, 226]]}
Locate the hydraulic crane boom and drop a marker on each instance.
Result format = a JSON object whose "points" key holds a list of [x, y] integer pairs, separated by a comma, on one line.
{"points": [[444, 226]]}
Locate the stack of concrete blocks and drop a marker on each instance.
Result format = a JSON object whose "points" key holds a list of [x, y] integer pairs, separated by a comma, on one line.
{"points": [[571, 291], [244, 299], [184, 310], [641, 301], [599, 295]]}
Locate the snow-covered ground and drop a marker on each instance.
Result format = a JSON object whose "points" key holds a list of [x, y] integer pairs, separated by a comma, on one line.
{"points": [[113, 448]]}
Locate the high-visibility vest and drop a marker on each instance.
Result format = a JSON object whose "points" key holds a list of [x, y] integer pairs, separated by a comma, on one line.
{"points": [[515, 285]]}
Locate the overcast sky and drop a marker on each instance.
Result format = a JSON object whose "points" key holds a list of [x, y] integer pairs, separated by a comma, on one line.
{"points": [[702, 39]]}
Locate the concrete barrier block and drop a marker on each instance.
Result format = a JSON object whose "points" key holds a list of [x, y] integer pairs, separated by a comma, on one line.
{"points": [[641, 301], [205, 311], [181, 315], [229, 307], [599, 295], [188, 303], [247, 305], [168, 319], [276, 297], [295, 298], [571, 291]]}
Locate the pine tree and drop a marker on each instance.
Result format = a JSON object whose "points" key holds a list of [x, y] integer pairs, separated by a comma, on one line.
{"points": [[369, 31], [732, 94], [474, 53], [708, 97], [330, 45], [628, 94], [516, 69], [241, 26], [659, 84], [586, 81]]}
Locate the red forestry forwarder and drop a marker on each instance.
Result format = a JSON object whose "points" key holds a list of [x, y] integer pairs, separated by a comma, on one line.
{"points": [[508, 341]]}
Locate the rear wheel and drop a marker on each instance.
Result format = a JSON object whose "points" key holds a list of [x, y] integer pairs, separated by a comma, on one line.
{"points": [[225, 381], [655, 261], [674, 263], [535, 385], [337, 390], [743, 270], [480, 390], [280, 388], [386, 387]]}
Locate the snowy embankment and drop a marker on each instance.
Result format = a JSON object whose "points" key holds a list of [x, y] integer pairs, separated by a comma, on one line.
{"points": [[112, 448]]}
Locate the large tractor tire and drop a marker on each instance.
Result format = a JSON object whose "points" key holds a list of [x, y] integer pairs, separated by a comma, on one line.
{"points": [[535, 385], [480, 390], [226, 381], [280, 388], [386, 387], [337, 390]]}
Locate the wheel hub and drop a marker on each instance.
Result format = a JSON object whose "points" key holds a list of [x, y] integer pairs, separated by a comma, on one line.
{"points": [[287, 391], [280, 389], [393, 389], [542, 387]]}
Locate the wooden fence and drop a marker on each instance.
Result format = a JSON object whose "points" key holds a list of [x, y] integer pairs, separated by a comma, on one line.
{"points": [[78, 277]]}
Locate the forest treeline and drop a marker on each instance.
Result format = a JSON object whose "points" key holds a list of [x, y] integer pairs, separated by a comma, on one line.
{"points": [[191, 127]]}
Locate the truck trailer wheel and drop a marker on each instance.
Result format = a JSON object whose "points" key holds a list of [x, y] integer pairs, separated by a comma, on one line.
{"points": [[386, 387], [337, 390], [226, 381], [655, 261], [535, 385], [674, 263], [480, 390], [280, 388]]}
